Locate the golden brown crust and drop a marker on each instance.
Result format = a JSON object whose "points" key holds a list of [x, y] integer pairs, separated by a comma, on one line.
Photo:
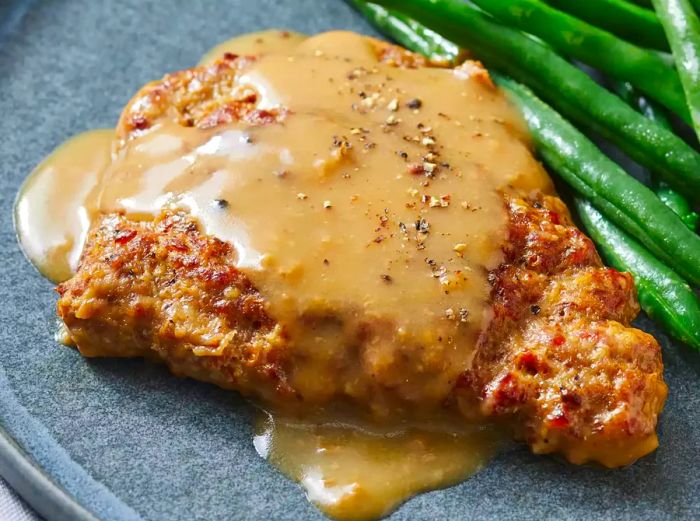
{"points": [[202, 97], [397, 56], [560, 355], [207, 96], [558, 361], [163, 290]]}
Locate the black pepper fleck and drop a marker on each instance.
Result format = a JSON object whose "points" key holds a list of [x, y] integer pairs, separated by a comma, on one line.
{"points": [[422, 226], [414, 103]]}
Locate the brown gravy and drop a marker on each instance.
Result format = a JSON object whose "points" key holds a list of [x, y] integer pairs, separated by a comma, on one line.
{"points": [[58, 201], [357, 471], [370, 200], [262, 42], [358, 204]]}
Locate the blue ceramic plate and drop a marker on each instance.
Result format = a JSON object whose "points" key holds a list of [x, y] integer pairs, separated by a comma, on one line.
{"points": [[122, 440]]}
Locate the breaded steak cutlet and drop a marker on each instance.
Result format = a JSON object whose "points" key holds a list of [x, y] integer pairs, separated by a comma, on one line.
{"points": [[558, 361]]}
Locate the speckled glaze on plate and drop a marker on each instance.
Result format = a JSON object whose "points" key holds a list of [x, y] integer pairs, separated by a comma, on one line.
{"points": [[123, 439]]}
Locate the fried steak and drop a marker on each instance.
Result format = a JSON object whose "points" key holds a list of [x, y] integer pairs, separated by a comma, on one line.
{"points": [[558, 361]]}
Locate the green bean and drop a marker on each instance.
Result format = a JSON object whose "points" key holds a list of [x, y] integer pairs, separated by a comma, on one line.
{"points": [[651, 72], [564, 86], [663, 295], [682, 27], [648, 3], [628, 93], [631, 22], [668, 196], [621, 198], [410, 33]]}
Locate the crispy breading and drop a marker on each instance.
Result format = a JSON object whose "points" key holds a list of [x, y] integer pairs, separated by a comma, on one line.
{"points": [[559, 354], [162, 290]]}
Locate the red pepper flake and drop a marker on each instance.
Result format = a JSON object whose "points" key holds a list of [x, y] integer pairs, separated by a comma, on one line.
{"points": [[529, 362], [554, 217], [558, 340], [177, 244], [559, 420], [139, 122], [124, 236], [415, 168], [264, 117], [506, 392]]}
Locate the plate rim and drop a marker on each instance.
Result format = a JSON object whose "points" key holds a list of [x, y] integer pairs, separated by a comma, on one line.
{"points": [[33, 485]]}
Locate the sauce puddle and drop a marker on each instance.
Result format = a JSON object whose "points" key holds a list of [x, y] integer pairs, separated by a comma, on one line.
{"points": [[354, 471]]}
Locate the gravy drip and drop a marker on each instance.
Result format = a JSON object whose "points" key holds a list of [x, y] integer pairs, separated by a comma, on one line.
{"points": [[58, 201], [355, 471]]}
